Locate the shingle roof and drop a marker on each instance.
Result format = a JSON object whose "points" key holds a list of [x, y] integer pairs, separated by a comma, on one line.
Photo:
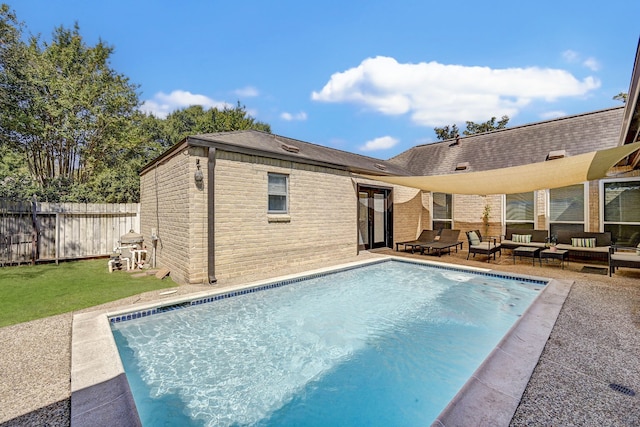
{"points": [[516, 146], [270, 145]]}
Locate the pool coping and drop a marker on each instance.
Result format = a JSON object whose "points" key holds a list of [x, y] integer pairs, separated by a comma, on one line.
{"points": [[100, 393]]}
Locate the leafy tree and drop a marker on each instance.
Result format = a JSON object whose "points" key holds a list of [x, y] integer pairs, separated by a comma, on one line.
{"points": [[488, 126], [196, 120], [15, 180], [622, 96], [70, 128], [447, 132], [64, 108]]}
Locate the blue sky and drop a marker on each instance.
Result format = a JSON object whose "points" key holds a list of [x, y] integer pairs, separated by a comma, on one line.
{"points": [[371, 77]]}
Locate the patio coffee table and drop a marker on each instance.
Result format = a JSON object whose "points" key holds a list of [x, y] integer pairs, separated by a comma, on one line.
{"points": [[527, 251], [558, 254]]}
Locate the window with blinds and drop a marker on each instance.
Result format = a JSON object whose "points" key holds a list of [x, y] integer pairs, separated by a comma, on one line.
{"points": [[566, 208], [520, 210], [278, 191], [622, 211], [442, 211]]}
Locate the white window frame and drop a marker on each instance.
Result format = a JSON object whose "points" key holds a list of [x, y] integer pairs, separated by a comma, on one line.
{"points": [[535, 210], [433, 218], [602, 199], [275, 193], [585, 214]]}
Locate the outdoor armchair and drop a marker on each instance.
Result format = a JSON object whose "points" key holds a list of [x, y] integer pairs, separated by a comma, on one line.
{"points": [[477, 246], [620, 256]]}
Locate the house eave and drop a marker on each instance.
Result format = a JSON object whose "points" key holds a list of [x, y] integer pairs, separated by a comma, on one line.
{"points": [[223, 146], [630, 130]]}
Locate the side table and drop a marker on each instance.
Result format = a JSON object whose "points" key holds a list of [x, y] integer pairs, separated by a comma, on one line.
{"points": [[526, 251], [558, 254]]}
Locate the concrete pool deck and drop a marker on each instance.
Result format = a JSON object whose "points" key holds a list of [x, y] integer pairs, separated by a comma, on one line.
{"points": [[593, 343]]}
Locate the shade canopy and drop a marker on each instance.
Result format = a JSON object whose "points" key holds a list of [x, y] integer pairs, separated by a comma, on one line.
{"points": [[520, 179]]}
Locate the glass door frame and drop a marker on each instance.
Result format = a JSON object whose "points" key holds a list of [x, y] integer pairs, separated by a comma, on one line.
{"points": [[387, 225]]}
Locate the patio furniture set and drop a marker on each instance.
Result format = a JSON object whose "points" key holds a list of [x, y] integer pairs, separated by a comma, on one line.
{"points": [[531, 244]]}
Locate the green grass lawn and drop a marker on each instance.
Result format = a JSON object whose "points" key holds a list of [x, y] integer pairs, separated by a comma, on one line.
{"points": [[33, 292]]}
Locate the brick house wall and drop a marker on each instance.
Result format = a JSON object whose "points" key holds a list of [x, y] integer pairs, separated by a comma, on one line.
{"points": [[170, 203], [321, 226], [593, 209], [321, 223]]}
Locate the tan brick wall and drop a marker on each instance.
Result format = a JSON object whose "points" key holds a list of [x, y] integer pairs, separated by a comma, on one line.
{"points": [[593, 219], [541, 209], [321, 224], [467, 213], [408, 220], [322, 219], [171, 203]]}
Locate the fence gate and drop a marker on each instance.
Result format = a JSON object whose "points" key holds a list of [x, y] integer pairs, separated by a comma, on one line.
{"points": [[18, 232]]}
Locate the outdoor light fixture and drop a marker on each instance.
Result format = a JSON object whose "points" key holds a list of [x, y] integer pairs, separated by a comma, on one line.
{"points": [[198, 176]]}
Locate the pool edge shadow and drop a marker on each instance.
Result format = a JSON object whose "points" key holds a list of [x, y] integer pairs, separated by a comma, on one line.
{"points": [[100, 393], [493, 393], [109, 403]]}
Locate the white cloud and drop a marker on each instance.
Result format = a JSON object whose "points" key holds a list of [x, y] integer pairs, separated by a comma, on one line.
{"points": [[570, 55], [592, 64], [552, 115], [247, 92], [382, 143], [301, 116], [437, 94], [162, 104]]}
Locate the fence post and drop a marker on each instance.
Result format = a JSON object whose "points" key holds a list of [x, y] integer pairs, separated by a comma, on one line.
{"points": [[34, 231]]}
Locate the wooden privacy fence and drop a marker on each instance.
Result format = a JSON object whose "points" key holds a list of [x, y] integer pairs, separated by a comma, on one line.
{"points": [[33, 231]]}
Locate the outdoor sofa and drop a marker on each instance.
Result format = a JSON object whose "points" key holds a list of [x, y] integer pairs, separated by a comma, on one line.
{"points": [[425, 237], [583, 244], [516, 237], [622, 256]]}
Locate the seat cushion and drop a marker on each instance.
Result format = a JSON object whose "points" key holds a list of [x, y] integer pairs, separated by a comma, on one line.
{"points": [[485, 246], [473, 238], [621, 256]]}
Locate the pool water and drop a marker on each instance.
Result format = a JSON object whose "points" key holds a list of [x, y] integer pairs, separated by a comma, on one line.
{"points": [[386, 344]]}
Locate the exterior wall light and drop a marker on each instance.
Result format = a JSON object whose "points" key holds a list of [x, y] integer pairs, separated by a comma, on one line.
{"points": [[198, 176]]}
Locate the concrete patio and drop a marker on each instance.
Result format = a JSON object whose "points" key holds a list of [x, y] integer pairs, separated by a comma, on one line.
{"points": [[592, 345]]}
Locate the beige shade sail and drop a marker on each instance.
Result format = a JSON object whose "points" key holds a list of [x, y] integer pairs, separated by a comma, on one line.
{"points": [[520, 179]]}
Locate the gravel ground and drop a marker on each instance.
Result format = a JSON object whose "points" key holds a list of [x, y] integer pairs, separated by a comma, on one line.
{"points": [[594, 343]]}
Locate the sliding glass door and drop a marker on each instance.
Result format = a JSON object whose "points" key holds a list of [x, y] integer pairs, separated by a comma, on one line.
{"points": [[374, 218]]}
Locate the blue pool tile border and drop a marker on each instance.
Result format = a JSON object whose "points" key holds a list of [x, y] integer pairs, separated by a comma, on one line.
{"points": [[483, 273], [205, 300]]}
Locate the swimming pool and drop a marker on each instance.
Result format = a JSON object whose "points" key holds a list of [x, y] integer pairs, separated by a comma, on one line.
{"points": [[375, 349]]}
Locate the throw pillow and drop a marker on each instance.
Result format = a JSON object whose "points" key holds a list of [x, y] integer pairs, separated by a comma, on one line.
{"points": [[473, 238], [638, 250], [521, 238], [583, 243]]}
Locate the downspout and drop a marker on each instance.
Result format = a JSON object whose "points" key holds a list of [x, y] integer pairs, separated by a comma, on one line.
{"points": [[211, 250]]}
